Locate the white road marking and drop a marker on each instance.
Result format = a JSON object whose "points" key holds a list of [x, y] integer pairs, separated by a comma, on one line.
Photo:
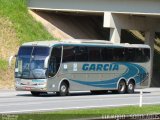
{"points": [[25, 103], [68, 100]]}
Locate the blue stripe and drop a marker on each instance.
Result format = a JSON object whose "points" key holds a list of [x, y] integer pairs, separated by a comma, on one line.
{"points": [[132, 71]]}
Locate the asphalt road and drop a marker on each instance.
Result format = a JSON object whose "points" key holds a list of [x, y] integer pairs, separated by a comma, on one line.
{"points": [[24, 102]]}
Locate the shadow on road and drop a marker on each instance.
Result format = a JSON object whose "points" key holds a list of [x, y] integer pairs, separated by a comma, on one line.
{"points": [[79, 94]]}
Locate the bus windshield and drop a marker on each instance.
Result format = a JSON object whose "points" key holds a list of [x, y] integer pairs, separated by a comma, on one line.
{"points": [[30, 62]]}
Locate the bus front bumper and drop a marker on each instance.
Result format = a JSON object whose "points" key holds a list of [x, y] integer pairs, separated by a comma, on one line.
{"points": [[39, 85], [39, 88]]}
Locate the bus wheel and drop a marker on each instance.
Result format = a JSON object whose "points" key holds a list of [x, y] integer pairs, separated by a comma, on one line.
{"points": [[35, 93], [130, 87], [64, 89], [122, 87]]}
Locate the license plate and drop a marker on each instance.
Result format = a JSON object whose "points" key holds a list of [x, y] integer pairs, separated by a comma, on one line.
{"points": [[28, 88]]}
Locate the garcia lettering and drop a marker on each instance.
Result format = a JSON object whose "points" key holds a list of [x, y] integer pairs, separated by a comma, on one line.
{"points": [[100, 67]]}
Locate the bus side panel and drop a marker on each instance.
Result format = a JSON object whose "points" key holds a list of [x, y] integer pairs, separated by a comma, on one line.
{"points": [[85, 76], [143, 79], [92, 76]]}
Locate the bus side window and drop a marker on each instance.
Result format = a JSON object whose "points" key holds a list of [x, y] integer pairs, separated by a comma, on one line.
{"points": [[130, 54], [147, 54], [81, 54], [119, 55], [69, 54], [143, 54], [139, 55], [54, 62], [107, 54], [94, 54]]}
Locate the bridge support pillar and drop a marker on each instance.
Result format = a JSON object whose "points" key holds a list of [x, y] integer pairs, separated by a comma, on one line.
{"points": [[115, 35], [149, 40], [113, 21]]}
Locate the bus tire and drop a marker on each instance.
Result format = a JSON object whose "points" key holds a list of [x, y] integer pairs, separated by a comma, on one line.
{"points": [[64, 89], [122, 87], [130, 87]]}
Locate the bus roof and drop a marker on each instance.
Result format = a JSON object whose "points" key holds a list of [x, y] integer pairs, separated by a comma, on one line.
{"points": [[83, 42]]}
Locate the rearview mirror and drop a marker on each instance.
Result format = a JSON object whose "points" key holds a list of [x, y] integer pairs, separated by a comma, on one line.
{"points": [[10, 60], [46, 62]]}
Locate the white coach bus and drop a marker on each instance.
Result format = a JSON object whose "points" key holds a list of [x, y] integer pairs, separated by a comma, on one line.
{"points": [[81, 65]]}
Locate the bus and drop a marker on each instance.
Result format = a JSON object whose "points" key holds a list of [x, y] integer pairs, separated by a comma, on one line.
{"points": [[82, 65]]}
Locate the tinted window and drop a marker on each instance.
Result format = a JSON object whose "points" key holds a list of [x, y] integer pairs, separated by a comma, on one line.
{"points": [[119, 54], [130, 54], [94, 54], [125, 54], [25, 50], [38, 51], [55, 60], [41, 51], [68, 53], [81, 54], [142, 55], [147, 54], [107, 54], [56, 52]]}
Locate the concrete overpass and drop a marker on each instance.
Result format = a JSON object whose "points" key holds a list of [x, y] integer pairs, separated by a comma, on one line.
{"points": [[119, 6], [141, 15]]}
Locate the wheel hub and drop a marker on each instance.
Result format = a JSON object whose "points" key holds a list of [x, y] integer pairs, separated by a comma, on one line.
{"points": [[63, 88], [130, 86]]}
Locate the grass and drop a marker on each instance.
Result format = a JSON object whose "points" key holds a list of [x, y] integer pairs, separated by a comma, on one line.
{"points": [[3, 64], [90, 113], [27, 29], [16, 27]]}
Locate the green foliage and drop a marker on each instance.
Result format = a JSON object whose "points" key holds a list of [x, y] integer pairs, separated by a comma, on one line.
{"points": [[26, 27], [116, 111], [3, 64]]}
